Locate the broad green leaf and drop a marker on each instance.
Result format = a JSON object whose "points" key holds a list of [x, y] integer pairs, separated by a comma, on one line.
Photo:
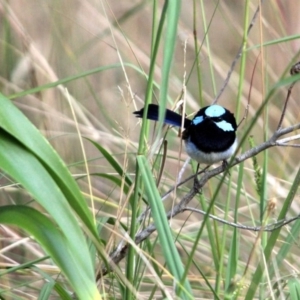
{"points": [[26, 156], [55, 244], [18, 126], [25, 168]]}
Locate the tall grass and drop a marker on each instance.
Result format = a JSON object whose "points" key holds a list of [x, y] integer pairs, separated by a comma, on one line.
{"points": [[85, 207]]}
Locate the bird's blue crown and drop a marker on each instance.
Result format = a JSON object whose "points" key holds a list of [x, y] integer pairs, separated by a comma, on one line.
{"points": [[214, 111]]}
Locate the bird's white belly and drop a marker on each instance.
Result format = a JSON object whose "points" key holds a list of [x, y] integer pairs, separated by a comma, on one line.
{"points": [[208, 158]]}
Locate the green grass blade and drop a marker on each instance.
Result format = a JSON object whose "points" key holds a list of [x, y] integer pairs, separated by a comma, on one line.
{"points": [[110, 159], [286, 247], [50, 85], [55, 244], [294, 288], [273, 238], [46, 290], [165, 237], [173, 11]]}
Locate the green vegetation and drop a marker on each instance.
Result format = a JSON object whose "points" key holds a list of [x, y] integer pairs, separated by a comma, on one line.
{"points": [[92, 204]]}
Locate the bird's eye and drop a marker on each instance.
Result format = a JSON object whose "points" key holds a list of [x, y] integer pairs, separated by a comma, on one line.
{"points": [[217, 119]]}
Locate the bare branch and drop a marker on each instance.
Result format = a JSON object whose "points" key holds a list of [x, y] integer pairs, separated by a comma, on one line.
{"points": [[269, 227]]}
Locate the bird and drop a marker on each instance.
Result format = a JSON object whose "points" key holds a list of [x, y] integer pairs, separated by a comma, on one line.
{"points": [[210, 137]]}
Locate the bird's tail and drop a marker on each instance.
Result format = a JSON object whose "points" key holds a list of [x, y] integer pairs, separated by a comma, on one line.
{"points": [[171, 117]]}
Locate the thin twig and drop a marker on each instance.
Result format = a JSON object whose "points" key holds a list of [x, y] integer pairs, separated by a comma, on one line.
{"points": [[269, 228], [237, 57], [295, 69], [249, 96]]}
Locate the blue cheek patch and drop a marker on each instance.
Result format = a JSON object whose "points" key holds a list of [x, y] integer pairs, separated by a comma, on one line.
{"points": [[215, 111], [224, 126], [197, 120]]}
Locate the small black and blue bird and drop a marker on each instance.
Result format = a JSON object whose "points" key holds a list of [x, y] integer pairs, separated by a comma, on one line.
{"points": [[209, 137]]}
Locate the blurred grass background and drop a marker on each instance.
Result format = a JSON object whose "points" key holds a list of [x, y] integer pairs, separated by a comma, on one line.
{"points": [[47, 41]]}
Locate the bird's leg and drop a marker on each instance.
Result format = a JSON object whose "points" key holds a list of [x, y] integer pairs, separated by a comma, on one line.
{"points": [[225, 166], [196, 177], [196, 174], [202, 171]]}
